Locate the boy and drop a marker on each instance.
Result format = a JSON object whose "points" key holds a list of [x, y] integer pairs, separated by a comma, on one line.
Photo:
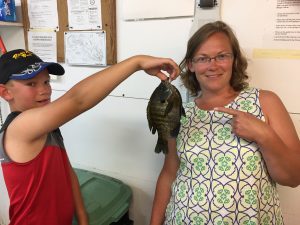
{"points": [[35, 171]]}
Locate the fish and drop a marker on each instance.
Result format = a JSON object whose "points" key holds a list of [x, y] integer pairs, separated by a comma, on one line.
{"points": [[164, 111]]}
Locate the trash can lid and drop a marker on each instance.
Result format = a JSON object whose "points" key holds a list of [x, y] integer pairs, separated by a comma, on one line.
{"points": [[106, 199]]}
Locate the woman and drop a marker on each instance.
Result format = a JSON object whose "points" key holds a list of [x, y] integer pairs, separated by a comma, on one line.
{"points": [[234, 145]]}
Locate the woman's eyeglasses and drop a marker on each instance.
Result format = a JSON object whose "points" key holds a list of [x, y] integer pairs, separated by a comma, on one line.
{"points": [[220, 58]]}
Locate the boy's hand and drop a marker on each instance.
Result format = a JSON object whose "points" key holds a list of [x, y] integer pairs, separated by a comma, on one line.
{"points": [[154, 66], [244, 124]]}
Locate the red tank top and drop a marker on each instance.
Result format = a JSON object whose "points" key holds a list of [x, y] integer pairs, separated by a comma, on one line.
{"points": [[39, 191]]}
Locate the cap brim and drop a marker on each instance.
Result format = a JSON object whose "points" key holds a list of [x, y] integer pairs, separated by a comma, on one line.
{"points": [[35, 69]]}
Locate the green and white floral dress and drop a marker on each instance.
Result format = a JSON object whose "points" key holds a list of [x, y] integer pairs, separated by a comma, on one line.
{"points": [[222, 179]]}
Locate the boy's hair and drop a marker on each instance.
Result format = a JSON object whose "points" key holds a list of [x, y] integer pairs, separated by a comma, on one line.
{"points": [[20, 64], [239, 75]]}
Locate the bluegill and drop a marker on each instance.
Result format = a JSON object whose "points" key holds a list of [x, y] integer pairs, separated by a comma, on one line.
{"points": [[164, 111]]}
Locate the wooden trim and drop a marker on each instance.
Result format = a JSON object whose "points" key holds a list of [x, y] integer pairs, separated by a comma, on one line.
{"points": [[25, 20], [63, 27], [11, 24], [109, 25]]}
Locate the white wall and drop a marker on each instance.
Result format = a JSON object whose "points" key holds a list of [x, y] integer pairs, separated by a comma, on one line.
{"points": [[113, 138]]}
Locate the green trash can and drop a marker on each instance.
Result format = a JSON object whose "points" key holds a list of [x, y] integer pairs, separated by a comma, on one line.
{"points": [[106, 199]]}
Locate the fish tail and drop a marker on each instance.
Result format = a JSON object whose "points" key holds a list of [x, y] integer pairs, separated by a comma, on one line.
{"points": [[161, 146]]}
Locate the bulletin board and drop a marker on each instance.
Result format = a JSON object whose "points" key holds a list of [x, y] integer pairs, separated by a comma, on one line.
{"points": [[108, 8]]}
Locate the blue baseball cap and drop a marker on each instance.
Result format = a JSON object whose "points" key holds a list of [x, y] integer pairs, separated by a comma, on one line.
{"points": [[20, 64]]}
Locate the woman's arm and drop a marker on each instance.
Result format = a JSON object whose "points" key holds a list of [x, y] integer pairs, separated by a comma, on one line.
{"points": [[164, 182], [279, 142]]}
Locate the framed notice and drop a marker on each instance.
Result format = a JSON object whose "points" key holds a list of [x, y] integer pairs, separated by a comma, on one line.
{"points": [[85, 48]]}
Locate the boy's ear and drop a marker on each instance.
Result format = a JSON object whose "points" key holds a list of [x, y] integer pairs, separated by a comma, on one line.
{"points": [[5, 93]]}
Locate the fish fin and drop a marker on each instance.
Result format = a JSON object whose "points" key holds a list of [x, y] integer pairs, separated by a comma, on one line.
{"points": [[183, 111], [148, 109], [161, 146], [168, 108], [150, 124], [174, 133]]}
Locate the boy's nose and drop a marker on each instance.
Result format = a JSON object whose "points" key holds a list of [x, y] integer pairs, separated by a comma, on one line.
{"points": [[44, 90]]}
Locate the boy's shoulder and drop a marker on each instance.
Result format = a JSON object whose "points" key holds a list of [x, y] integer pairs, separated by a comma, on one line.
{"points": [[9, 119]]}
